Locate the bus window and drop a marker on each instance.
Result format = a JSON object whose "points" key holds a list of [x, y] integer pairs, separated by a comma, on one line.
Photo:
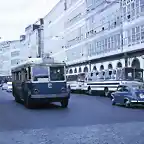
{"points": [[40, 73], [57, 73], [17, 75], [29, 73]]}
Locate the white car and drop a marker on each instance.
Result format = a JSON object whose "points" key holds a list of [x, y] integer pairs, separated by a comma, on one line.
{"points": [[4, 86], [9, 87]]}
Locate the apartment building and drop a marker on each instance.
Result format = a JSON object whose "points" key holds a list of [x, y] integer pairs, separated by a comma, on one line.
{"points": [[87, 35], [5, 58], [54, 41], [96, 34], [15, 49]]}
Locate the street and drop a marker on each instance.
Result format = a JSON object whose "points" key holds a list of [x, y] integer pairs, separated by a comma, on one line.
{"points": [[88, 120]]}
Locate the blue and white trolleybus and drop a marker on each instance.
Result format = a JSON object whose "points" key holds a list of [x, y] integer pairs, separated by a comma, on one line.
{"points": [[40, 80]]}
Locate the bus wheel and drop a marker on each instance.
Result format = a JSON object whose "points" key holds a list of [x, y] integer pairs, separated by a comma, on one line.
{"points": [[17, 99], [89, 91], [106, 92], [64, 103], [27, 100]]}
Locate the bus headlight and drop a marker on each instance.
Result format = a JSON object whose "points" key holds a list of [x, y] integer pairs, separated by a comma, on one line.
{"points": [[63, 89], [36, 91]]}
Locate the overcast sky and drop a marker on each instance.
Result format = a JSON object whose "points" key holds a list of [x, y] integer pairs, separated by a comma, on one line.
{"points": [[15, 15]]}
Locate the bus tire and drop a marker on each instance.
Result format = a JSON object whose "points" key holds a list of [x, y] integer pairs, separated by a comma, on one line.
{"points": [[16, 96], [89, 91], [106, 92], [17, 99], [28, 102], [64, 103]]}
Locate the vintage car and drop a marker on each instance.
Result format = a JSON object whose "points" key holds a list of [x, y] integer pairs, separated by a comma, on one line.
{"points": [[128, 95]]}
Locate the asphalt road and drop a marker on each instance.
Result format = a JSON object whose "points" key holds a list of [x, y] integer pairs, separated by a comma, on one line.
{"points": [[88, 120]]}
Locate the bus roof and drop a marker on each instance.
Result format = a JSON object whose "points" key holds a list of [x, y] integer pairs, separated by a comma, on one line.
{"points": [[37, 61]]}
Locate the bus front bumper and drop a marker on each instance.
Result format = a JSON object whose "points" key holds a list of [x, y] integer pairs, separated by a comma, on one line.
{"points": [[51, 96]]}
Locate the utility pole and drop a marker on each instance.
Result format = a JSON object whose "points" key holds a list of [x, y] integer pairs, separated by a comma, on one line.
{"points": [[40, 39]]}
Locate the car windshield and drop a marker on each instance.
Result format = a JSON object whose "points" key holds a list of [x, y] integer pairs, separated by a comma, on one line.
{"points": [[136, 86]]}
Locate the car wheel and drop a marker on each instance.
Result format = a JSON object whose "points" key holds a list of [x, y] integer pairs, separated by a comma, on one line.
{"points": [[127, 103], [113, 101], [64, 103]]}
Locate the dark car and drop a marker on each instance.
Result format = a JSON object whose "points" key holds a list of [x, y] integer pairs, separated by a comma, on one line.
{"points": [[128, 95]]}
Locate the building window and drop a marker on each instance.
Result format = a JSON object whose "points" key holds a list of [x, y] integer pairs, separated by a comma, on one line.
{"points": [[15, 53], [102, 46], [15, 61], [129, 36], [133, 9], [128, 12], [142, 33], [109, 44], [118, 41], [99, 46], [93, 47], [142, 5], [124, 2], [112, 43], [124, 13], [133, 35], [137, 7], [115, 42], [137, 33], [105, 45]]}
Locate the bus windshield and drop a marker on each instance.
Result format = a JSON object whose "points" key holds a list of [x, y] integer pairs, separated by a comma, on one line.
{"points": [[81, 77], [134, 74], [57, 73], [40, 73], [72, 77]]}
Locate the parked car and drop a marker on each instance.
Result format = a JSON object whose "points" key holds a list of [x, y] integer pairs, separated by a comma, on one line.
{"points": [[9, 87], [4, 86], [128, 95]]}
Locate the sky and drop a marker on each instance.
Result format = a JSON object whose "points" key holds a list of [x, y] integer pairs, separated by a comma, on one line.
{"points": [[15, 15]]}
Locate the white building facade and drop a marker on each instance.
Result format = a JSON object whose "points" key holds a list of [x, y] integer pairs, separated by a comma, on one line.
{"points": [[5, 58], [86, 34], [15, 48], [54, 41], [97, 34], [32, 42]]}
